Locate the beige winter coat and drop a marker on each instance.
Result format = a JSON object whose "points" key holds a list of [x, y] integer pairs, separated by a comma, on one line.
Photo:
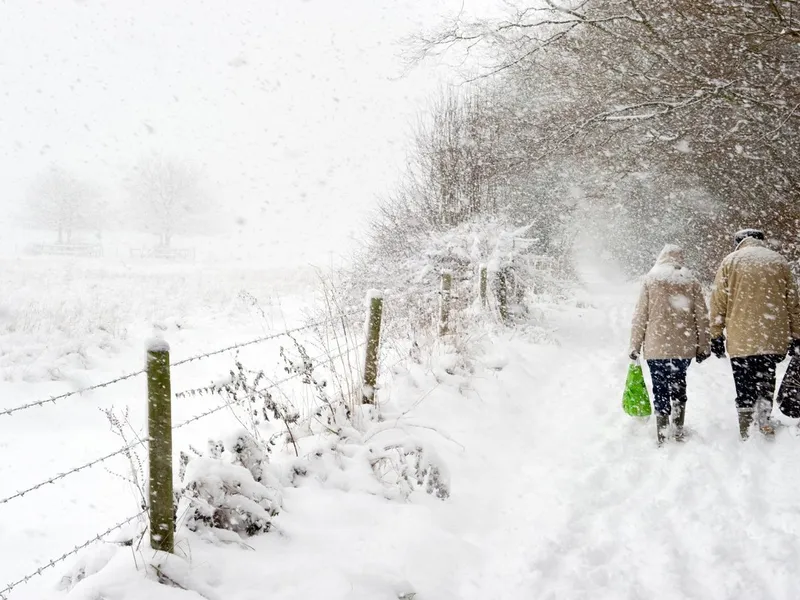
{"points": [[671, 318], [755, 300]]}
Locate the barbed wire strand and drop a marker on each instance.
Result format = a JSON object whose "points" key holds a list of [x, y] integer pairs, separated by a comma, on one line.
{"points": [[143, 441], [53, 562], [265, 338], [316, 359], [53, 399], [271, 386], [10, 411], [65, 474]]}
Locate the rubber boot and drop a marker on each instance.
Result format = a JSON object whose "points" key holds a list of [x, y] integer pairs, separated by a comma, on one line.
{"points": [[662, 426], [764, 409], [745, 420], [678, 415]]}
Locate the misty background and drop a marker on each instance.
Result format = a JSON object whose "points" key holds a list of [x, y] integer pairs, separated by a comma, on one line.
{"points": [[297, 132], [294, 113]]}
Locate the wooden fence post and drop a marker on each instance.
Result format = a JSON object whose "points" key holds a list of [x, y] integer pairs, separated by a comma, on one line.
{"points": [[159, 433], [444, 304], [502, 293], [373, 345], [484, 278]]}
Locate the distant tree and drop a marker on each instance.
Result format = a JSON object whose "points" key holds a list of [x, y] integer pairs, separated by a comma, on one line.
{"points": [[167, 195], [59, 201]]}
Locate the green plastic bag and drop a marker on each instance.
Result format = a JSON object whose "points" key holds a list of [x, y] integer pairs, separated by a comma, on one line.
{"points": [[635, 400]]}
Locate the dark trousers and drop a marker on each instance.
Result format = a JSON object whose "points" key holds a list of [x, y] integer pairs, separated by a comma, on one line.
{"points": [[754, 377], [669, 383]]}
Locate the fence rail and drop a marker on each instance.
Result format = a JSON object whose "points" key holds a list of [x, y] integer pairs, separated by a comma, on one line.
{"points": [[66, 249]]}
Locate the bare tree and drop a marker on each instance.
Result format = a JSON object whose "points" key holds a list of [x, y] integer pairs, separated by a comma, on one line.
{"points": [[60, 202], [699, 94], [167, 196]]}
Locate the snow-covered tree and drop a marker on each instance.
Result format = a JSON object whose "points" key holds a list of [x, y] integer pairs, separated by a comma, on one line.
{"points": [[704, 92], [56, 200], [167, 196]]}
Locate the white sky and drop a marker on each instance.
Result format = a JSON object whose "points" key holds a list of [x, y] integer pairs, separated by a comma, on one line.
{"points": [[290, 104]]}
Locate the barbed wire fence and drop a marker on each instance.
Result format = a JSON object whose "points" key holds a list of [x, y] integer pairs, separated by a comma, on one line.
{"points": [[326, 358], [54, 561]]}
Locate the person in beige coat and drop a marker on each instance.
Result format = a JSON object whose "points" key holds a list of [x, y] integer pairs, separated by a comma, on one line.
{"points": [[755, 300], [670, 327]]}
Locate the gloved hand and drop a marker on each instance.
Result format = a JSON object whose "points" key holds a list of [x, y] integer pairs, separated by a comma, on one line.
{"points": [[794, 348], [634, 355], [701, 356], [718, 346]]}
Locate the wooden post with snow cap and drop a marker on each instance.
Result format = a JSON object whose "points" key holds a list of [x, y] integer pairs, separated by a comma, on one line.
{"points": [[375, 303], [484, 280], [159, 432], [444, 303]]}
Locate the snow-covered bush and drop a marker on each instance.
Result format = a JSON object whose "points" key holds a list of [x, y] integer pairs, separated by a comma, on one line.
{"points": [[236, 485], [464, 191], [382, 460], [412, 277], [228, 489], [409, 465]]}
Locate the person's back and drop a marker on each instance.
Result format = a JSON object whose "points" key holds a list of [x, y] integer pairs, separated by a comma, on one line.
{"points": [[670, 326], [754, 298], [669, 320], [755, 301]]}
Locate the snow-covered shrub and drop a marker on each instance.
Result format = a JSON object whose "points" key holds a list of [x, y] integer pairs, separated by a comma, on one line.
{"points": [[463, 193], [253, 396], [344, 449], [393, 465], [228, 488], [409, 465], [411, 276]]}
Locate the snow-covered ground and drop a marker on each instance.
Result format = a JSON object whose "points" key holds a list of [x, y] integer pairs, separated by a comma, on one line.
{"points": [[66, 324], [297, 114], [555, 492]]}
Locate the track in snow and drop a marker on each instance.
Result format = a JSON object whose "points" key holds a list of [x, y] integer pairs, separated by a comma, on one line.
{"points": [[592, 509]]}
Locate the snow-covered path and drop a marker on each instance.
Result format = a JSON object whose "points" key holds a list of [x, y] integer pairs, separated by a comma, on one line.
{"points": [[588, 507]]}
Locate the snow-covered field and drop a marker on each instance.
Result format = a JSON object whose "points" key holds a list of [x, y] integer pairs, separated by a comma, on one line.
{"points": [[70, 323], [555, 493]]}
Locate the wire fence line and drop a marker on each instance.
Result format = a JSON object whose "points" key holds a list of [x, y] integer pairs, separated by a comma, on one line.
{"points": [[265, 338], [54, 399], [225, 405], [78, 469], [299, 371], [317, 361], [273, 385], [53, 562], [259, 340]]}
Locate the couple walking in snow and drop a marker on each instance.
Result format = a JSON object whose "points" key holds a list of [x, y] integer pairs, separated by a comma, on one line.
{"points": [[754, 300]]}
